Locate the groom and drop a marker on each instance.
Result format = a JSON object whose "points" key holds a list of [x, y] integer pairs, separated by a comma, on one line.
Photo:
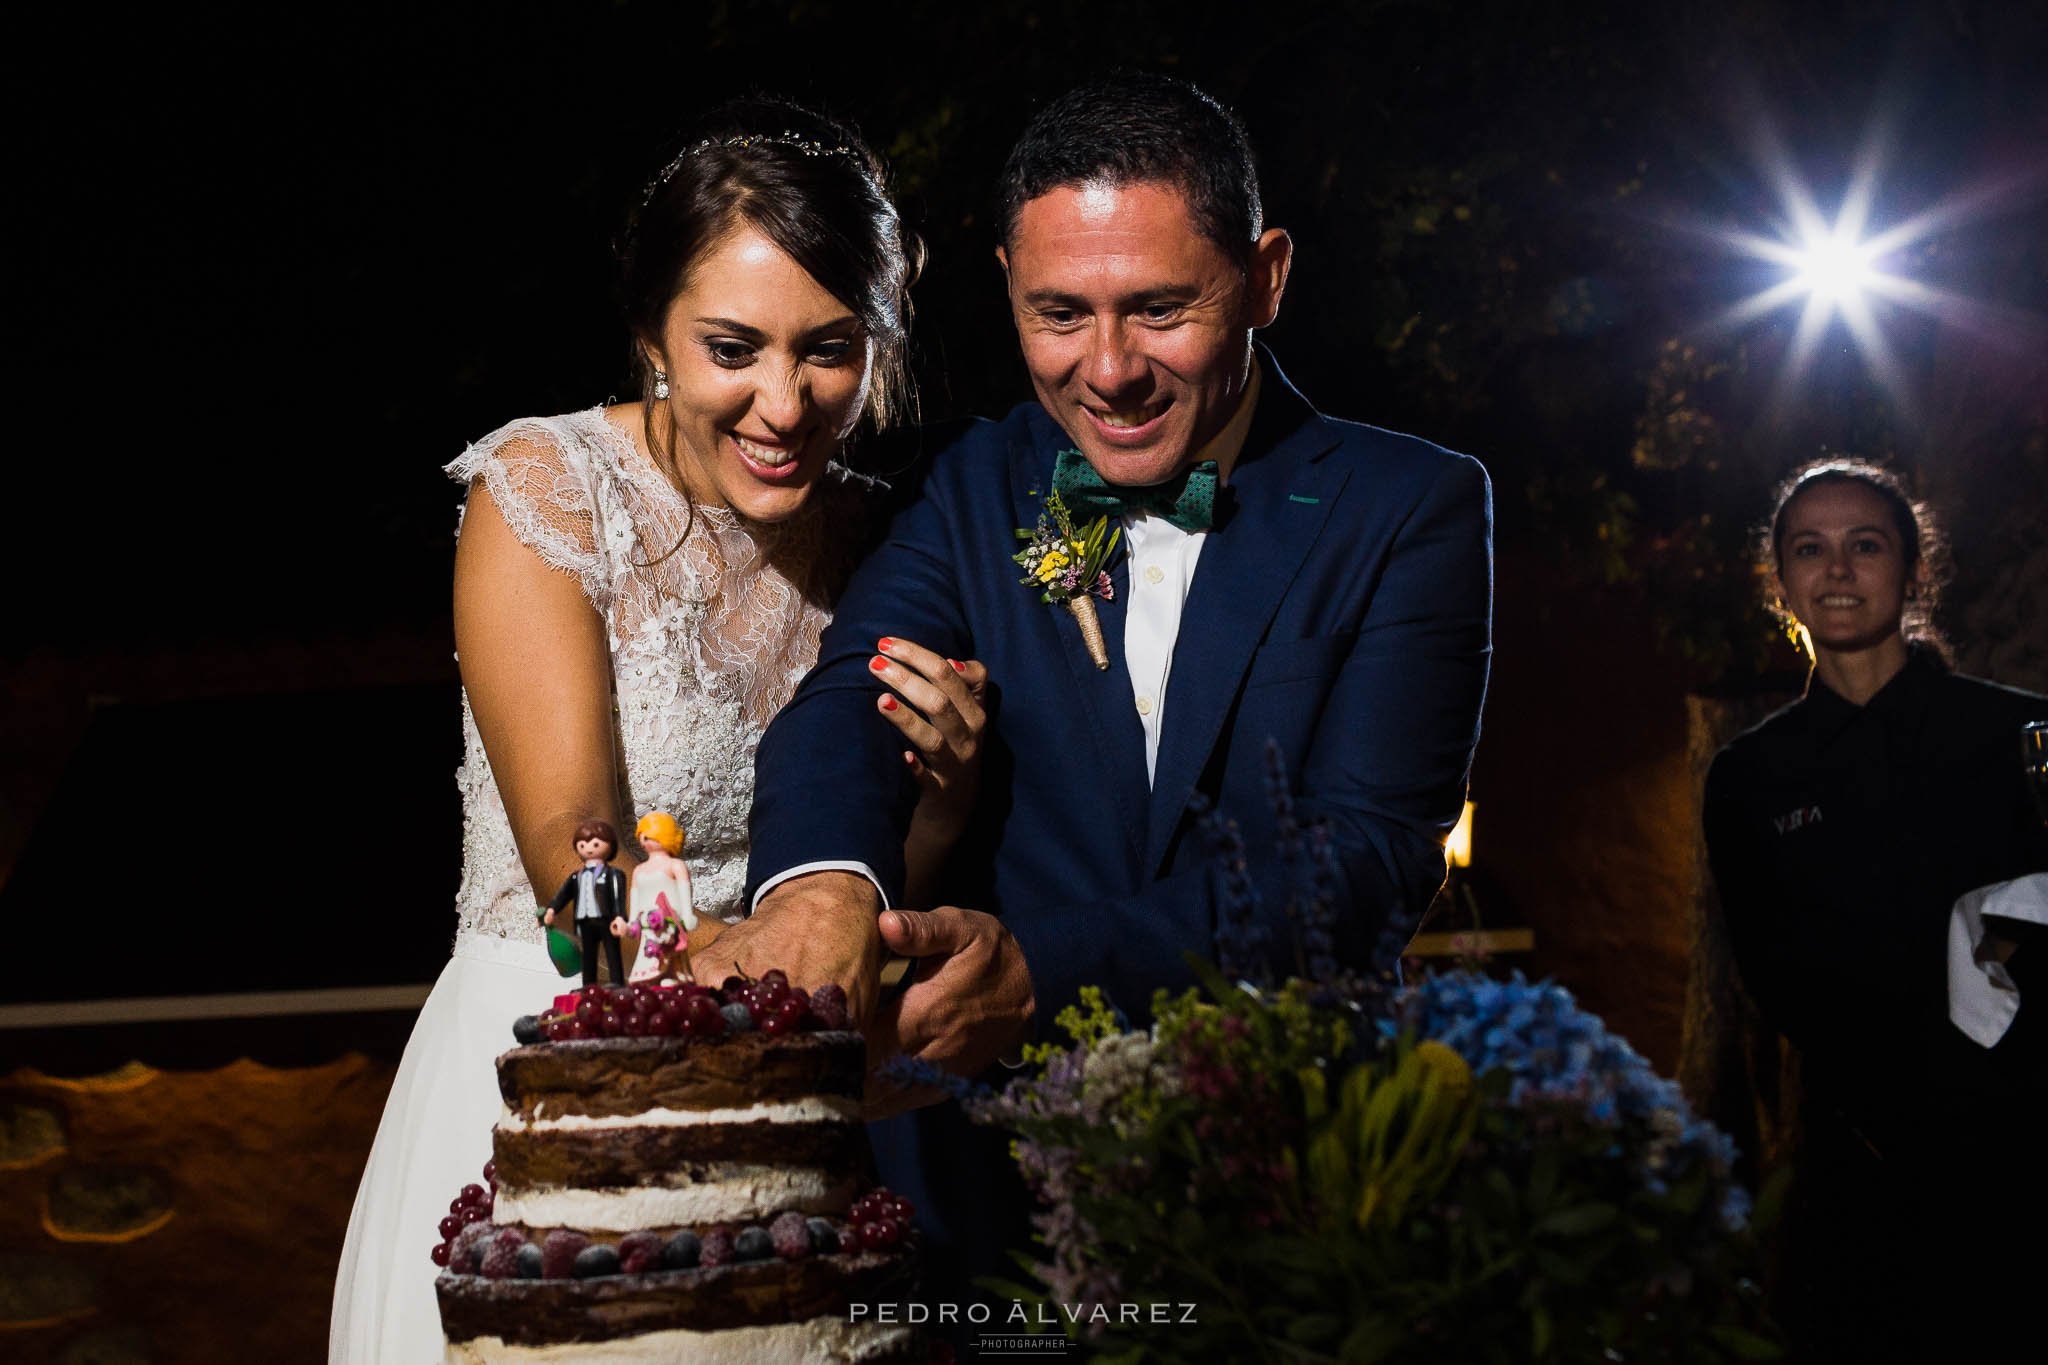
{"points": [[1289, 577]]}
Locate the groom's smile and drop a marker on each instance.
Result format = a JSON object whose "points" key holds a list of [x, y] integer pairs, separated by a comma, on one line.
{"points": [[1136, 328], [1130, 428]]}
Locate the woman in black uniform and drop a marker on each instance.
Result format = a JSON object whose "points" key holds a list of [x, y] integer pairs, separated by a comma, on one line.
{"points": [[1841, 831]]}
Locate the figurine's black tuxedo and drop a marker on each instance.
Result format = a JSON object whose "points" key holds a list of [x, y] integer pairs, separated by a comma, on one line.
{"points": [[596, 932]]}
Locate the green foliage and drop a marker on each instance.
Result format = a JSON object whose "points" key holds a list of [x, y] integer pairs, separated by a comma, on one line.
{"points": [[1392, 1140]]}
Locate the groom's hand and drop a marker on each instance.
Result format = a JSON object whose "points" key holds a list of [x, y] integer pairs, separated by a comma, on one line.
{"points": [[970, 1000], [819, 927]]}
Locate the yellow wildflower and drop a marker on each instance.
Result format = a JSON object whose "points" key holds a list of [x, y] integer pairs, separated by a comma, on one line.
{"points": [[1089, 1020], [1049, 567], [1451, 1070]]}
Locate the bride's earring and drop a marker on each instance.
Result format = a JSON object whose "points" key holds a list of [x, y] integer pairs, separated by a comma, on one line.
{"points": [[660, 384]]}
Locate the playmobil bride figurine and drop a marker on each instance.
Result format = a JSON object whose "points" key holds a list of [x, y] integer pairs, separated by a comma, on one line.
{"points": [[659, 907]]}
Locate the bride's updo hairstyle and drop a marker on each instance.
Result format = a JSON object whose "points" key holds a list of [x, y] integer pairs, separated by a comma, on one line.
{"points": [[809, 185], [1921, 543]]}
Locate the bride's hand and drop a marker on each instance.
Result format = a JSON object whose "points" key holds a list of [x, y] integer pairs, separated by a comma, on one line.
{"points": [[942, 722]]}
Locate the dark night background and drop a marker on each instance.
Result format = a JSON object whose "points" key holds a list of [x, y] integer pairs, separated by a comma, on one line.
{"points": [[274, 267]]}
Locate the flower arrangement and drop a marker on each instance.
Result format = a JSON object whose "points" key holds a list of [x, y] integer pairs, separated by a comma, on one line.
{"points": [[1070, 565], [1333, 1169]]}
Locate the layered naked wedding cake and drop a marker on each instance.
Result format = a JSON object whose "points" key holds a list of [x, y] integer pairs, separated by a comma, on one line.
{"points": [[680, 1175]]}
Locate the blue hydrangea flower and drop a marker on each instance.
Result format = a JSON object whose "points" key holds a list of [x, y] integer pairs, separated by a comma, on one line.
{"points": [[1559, 1054]]}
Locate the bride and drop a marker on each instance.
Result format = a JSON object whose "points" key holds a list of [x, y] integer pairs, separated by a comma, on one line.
{"points": [[638, 588]]}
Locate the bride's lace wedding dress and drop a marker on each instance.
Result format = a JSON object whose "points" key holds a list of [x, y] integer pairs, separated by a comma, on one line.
{"points": [[710, 624]]}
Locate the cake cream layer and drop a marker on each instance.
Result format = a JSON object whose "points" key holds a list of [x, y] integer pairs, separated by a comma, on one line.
{"points": [[707, 1302], [821, 1341], [812, 1109], [714, 1192], [655, 1154], [628, 1077]]}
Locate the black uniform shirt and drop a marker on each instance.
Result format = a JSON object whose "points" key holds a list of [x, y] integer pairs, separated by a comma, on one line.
{"points": [[1840, 837]]}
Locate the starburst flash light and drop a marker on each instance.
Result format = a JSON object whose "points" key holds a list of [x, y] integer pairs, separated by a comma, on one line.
{"points": [[1835, 270], [1853, 271]]}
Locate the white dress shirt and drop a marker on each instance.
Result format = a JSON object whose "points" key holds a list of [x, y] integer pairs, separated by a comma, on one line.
{"points": [[1161, 558], [1162, 564], [586, 890]]}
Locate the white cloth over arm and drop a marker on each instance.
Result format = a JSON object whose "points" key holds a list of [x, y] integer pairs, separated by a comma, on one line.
{"points": [[1983, 1000]]}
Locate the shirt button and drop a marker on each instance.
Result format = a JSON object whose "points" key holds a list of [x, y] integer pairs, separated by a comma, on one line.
{"points": [[1154, 574], [1144, 706]]}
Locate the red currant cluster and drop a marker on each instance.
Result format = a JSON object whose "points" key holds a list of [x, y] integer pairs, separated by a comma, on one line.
{"points": [[472, 1206], [774, 1005], [769, 1004], [880, 1219], [640, 1011]]}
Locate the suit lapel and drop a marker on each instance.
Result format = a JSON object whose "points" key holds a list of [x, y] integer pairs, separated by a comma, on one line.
{"points": [[1106, 722], [1281, 497]]}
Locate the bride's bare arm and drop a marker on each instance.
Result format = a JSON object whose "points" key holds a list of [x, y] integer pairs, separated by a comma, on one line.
{"points": [[533, 659]]}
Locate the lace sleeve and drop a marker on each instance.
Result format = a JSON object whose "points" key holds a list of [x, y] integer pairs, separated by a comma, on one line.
{"points": [[544, 487]]}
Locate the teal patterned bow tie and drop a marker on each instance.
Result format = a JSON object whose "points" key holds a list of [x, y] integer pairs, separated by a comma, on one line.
{"points": [[1187, 500]]}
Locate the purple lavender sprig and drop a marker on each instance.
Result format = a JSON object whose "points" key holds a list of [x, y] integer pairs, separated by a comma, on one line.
{"points": [[914, 1073], [1075, 1274], [1319, 918], [1287, 843], [1314, 878], [1240, 931], [1286, 828]]}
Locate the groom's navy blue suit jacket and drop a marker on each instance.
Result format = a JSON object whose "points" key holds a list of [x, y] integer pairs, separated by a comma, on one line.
{"points": [[1341, 607]]}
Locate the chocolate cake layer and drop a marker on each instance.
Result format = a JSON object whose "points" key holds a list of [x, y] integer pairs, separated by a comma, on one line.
{"points": [[537, 1233], [606, 1077], [614, 1307], [593, 1158]]}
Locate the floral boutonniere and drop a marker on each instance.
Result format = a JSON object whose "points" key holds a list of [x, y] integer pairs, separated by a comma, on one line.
{"points": [[1071, 565]]}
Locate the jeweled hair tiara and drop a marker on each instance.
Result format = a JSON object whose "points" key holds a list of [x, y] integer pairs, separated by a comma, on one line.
{"points": [[807, 146]]}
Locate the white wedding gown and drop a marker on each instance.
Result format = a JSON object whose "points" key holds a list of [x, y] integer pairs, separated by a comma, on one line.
{"points": [[709, 633]]}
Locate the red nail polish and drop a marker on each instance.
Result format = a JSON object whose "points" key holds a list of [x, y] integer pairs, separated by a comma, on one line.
{"points": [[884, 643], [958, 667], [888, 703], [878, 663]]}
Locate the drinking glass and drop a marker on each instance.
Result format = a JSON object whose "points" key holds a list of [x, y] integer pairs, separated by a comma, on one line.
{"points": [[2034, 754]]}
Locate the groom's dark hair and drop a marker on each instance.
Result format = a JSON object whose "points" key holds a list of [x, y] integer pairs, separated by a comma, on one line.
{"points": [[1128, 127]]}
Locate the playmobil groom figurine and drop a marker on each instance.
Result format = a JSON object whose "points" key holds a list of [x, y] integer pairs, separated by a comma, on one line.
{"points": [[599, 892], [1288, 577]]}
